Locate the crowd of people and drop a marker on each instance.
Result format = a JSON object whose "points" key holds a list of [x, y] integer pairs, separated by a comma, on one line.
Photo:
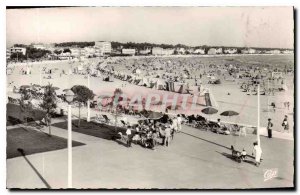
{"points": [[150, 133]]}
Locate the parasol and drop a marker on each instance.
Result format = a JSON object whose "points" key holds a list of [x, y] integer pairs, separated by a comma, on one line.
{"points": [[229, 113], [209, 110]]}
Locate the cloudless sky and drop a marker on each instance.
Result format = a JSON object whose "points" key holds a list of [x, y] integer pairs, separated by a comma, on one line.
{"points": [[215, 26]]}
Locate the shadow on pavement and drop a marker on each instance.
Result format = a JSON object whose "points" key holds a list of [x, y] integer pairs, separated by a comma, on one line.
{"points": [[34, 169], [206, 140], [120, 143], [233, 159]]}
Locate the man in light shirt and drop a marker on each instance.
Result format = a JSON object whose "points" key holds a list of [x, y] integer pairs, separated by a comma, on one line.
{"points": [[167, 135], [128, 133], [179, 121], [257, 153]]}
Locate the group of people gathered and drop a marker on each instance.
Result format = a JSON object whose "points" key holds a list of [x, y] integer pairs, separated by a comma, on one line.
{"points": [[151, 133]]}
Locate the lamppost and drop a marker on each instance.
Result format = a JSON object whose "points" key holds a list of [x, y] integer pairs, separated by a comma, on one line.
{"points": [[258, 112], [88, 102], [69, 98]]}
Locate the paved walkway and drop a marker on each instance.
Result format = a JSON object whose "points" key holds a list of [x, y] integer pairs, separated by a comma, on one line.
{"points": [[195, 159]]}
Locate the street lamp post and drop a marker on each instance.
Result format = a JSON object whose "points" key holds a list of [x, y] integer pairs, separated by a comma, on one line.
{"points": [[69, 98], [88, 102], [258, 114]]}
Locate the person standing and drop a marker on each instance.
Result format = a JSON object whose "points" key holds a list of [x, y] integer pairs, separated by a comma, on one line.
{"points": [[179, 121], [257, 152], [274, 106], [167, 135], [128, 133], [285, 124], [269, 127], [243, 155]]}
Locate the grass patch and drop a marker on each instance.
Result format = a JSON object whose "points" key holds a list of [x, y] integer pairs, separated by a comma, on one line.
{"points": [[93, 129], [32, 142], [15, 116]]}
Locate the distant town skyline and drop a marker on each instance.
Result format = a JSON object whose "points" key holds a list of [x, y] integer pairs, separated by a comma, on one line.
{"points": [[264, 27]]}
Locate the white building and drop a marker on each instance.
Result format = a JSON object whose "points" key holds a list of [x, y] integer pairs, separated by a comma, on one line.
{"points": [[104, 46], [128, 51], [199, 51], [161, 51], [145, 51], [230, 51], [252, 51], [287, 52], [75, 52], [219, 51], [18, 50], [157, 51], [180, 50], [8, 53], [65, 56], [90, 51], [212, 51], [276, 51], [248, 51], [38, 46]]}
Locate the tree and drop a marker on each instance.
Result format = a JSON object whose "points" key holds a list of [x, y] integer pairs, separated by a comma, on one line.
{"points": [[19, 56], [67, 50], [57, 52], [117, 97], [82, 95], [25, 104], [49, 104]]}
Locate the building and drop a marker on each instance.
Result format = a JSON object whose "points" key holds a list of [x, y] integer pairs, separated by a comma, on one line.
{"points": [[199, 51], [219, 51], [252, 51], [212, 51], [276, 51], [168, 51], [160, 51], [8, 53], [104, 46], [248, 51], [287, 52], [180, 50], [157, 51], [128, 51], [230, 51], [145, 51], [90, 51], [75, 52], [18, 50], [38, 46], [65, 56]]}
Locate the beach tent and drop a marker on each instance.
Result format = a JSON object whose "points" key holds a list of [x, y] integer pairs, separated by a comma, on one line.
{"points": [[108, 78], [160, 84], [170, 86], [144, 82], [183, 89]]}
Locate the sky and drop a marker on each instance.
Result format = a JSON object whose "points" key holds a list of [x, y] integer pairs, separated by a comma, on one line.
{"points": [[271, 27]]}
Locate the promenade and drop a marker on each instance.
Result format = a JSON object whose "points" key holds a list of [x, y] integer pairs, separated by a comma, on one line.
{"points": [[194, 159]]}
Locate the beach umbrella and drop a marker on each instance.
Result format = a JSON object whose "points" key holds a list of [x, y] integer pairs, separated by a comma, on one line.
{"points": [[176, 107], [153, 115], [209, 110], [36, 85], [229, 113], [55, 88], [25, 86]]}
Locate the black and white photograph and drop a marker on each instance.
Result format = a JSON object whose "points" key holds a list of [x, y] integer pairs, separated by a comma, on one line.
{"points": [[161, 97]]}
